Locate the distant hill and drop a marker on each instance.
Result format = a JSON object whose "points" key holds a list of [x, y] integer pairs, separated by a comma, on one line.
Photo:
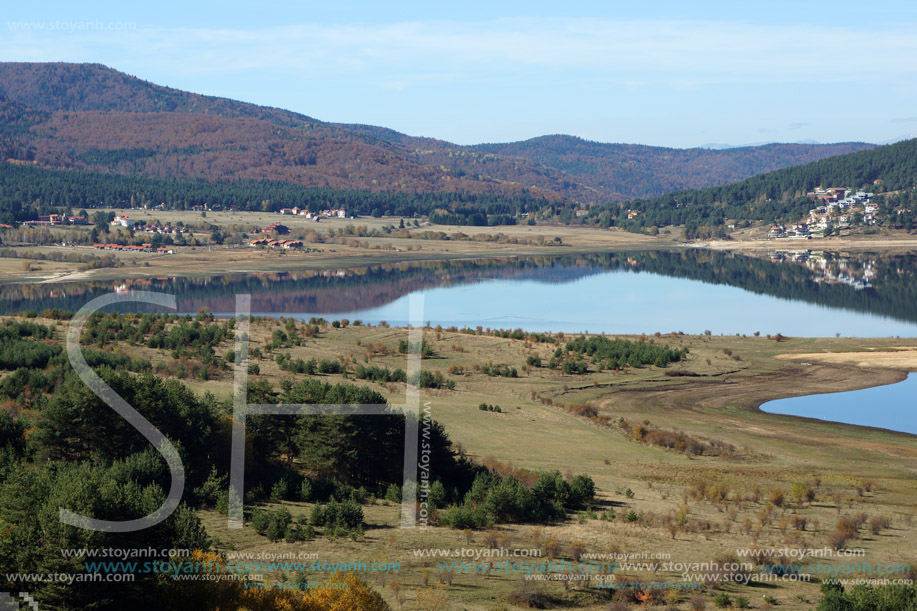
{"points": [[91, 117], [632, 170]]}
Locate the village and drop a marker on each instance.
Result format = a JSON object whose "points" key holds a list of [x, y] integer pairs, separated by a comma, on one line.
{"points": [[837, 207]]}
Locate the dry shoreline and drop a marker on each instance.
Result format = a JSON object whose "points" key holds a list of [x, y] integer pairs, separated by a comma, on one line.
{"points": [[748, 393]]}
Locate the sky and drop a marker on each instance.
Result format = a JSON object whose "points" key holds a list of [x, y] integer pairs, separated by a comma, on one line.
{"points": [[677, 74]]}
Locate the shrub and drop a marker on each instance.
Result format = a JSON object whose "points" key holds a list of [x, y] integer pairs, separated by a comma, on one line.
{"points": [[346, 515], [527, 594], [271, 524], [393, 493]]}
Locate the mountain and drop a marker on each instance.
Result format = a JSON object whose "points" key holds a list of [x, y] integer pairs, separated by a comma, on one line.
{"points": [[781, 195], [91, 117], [632, 171]]}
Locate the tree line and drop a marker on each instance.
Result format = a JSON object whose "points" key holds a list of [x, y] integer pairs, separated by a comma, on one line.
{"points": [[28, 191]]}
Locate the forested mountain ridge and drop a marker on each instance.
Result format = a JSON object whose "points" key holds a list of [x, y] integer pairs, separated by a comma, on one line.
{"points": [[90, 117], [634, 170], [59, 86], [889, 171]]}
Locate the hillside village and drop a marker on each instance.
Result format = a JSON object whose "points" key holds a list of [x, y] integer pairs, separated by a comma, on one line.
{"points": [[837, 207]]}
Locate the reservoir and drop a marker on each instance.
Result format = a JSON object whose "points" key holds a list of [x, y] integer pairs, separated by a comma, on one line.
{"points": [[695, 291], [893, 406]]}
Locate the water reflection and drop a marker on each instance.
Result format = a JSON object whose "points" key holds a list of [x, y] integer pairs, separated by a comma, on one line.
{"points": [[810, 293]]}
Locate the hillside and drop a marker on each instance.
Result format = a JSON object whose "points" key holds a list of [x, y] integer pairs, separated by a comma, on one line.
{"points": [[90, 117], [890, 171], [634, 170]]}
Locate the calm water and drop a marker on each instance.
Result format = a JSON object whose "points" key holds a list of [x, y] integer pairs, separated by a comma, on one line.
{"points": [[628, 302], [891, 407], [814, 295]]}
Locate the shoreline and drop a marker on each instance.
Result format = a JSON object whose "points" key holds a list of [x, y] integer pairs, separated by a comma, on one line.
{"points": [[748, 393], [182, 265]]}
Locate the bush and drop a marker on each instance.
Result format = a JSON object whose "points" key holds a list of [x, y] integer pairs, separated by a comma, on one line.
{"points": [[345, 515], [527, 594], [870, 598], [465, 516], [305, 491], [271, 524], [582, 490], [393, 493], [574, 367], [437, 497], [280, 490]]}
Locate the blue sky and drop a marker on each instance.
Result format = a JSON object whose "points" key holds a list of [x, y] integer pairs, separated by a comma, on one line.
{"points": [[663, 73]]}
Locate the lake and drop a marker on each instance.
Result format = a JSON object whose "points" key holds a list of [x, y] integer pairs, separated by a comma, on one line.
{"points": [[891, 407], [796, 294]]}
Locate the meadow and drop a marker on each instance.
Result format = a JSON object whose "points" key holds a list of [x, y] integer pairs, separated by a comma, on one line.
{"points": [[686, 468]]}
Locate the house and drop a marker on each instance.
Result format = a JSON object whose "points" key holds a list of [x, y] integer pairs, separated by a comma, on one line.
{"points": [[277, 228], [123, 221], [165, 251], [292, 244]]}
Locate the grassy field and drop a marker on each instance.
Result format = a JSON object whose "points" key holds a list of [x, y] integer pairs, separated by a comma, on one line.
{"points": [[686, 507], [518, 240]]}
